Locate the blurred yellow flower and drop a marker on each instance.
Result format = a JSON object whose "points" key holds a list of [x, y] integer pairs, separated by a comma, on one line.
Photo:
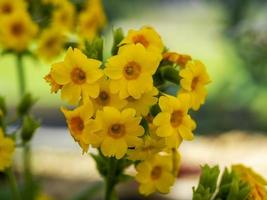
{"points": [[194, 78], [17, 31], [78, 75], [91, 20], [131, 70], [80, 123], [8, 7], [51, 43], [7, 148], [151, 144], [63, 16], [256, 182], [143, 104], [43, 196], [155, 174], [179, 59], [105, 97], [119, 130], [146, 36], [173, 119]]}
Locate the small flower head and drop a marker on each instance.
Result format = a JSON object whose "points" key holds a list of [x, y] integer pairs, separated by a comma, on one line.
{"points": [[173, 120], [155, 174], [17, 31], [119, 130], [8, 7], [7, 148], [193, 82], [78, 76], [50, 44], [80, 123], [131, 71], [147, 37]]}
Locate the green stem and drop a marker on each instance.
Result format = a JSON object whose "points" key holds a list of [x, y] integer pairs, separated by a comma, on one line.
{"points": [[21, 77], [13, 184], [28, 181], [111, 179]]}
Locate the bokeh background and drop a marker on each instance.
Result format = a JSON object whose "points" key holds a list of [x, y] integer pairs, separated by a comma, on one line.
{"points": [[229, 36]]}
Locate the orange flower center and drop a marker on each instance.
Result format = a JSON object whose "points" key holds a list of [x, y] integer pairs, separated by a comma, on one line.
{"points": [[140, 39], [194, 83], [78, 76], [176, 118], [6, 8], [117, 131], [17, 29], [132, 71], [76, 125], [51, 42], [156, 172], [103, 98]]}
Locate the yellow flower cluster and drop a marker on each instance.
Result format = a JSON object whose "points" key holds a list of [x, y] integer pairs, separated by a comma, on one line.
{"points": [[120, 111], [7, 148], [16, 26]]}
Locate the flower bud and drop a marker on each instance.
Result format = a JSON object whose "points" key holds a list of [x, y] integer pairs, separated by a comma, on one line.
{"points": [[25, 104], [29, 126]]}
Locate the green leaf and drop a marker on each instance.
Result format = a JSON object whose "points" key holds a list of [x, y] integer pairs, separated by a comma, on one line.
{"points": [[94, 48], [170, 73], [117, 38]]}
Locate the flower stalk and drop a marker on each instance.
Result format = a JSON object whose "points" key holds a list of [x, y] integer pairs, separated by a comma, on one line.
{"points": [[110, 180], [13, 184]]}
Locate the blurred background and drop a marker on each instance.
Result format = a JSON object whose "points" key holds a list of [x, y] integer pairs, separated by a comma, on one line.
{"points": [[229, 36]]}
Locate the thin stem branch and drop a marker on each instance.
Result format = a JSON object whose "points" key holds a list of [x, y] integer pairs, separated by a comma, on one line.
{"points": [[21, 76], [13, 184]]}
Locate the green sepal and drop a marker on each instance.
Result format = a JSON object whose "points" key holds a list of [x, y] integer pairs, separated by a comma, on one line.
{"points": [[118, 36], [170, 73], [94, 49], [26, 104]]}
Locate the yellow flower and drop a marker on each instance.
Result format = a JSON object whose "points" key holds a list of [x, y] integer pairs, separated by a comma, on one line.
{"points": [[54, 86], [150, 145], [194, 78], [256, 182], [91, 20], [143, 104], [17, 31], [78, 75], [7, 148], [105, 97], [51, 43], [179, 59], [146, 36], [173, 121], [63, 16], [131, 71], [155, 174], [80, 122], [119, 130], [8, 7]]}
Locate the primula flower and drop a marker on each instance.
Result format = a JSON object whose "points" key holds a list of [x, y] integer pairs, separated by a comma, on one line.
{"points": [[179, 59], [17, 31], [8, 7], [146, 36], [173, 121], [194, 78], [119, 130], [54, 86], [143, 104], [51, 43], [155, 174], [80, 123], [7, 148], [78, 75], [105, 97], [255, 181], [131, 71]]}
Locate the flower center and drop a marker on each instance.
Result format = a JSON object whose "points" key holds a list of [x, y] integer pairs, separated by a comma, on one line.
{"points": [[176, 118], [51, 42], [117, 131], [7, 8], [156, 172], [78, 76], [76, 125], [63, 17], [17, 29], [103, 98], [140, 39], [194, 83], [132, 71]]}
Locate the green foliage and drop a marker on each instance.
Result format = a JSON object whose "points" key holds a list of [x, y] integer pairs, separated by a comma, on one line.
{"points": [[94, 48], [117, 38], [29, 127], [230, 187], [26, 104]]}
